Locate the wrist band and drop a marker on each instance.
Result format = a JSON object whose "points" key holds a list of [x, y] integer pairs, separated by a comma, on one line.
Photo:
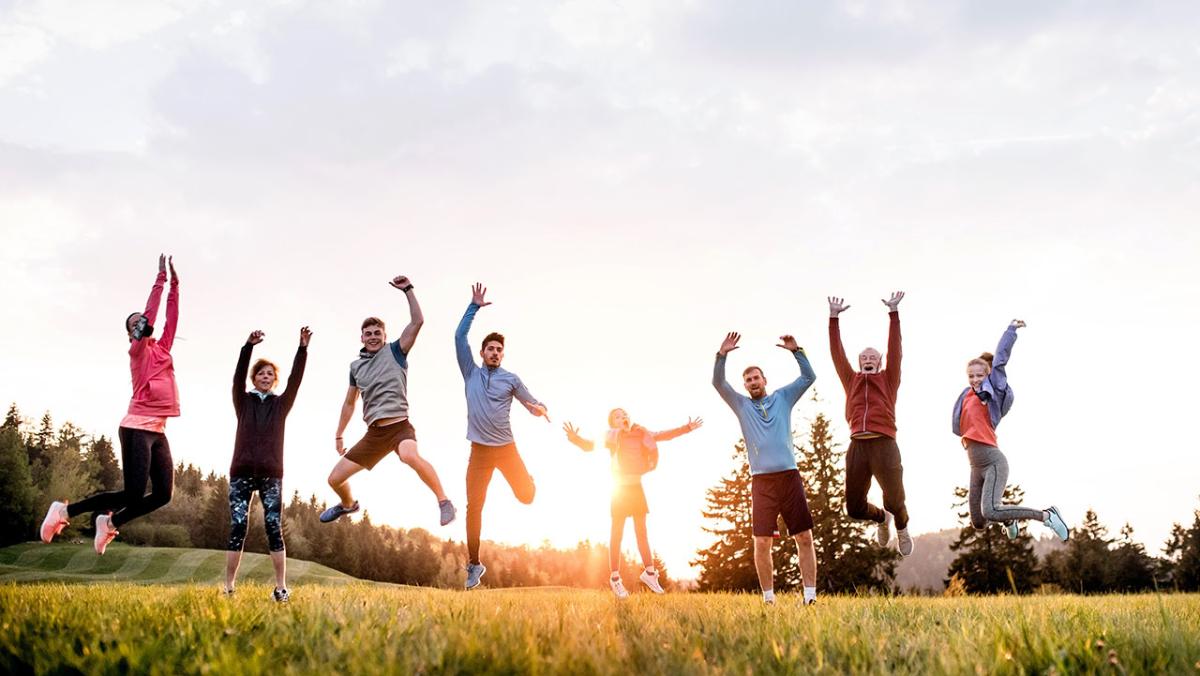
{"points": [[408, 288]]}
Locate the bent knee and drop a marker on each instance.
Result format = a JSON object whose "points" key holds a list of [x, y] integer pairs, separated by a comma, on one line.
{"points": [[804, 539], [526, 494]]}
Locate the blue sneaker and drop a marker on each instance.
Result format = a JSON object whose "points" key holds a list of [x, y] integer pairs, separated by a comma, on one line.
{"points": [[1055, 523], [337, 511], [448, 511], [474, 572], [1012, 529]]}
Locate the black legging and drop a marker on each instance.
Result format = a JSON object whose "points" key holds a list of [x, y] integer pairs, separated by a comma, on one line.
{"points": [[879, 458], [145, 456]]}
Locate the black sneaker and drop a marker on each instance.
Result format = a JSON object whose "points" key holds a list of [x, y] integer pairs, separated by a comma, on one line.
{"points": [[281, 595]]}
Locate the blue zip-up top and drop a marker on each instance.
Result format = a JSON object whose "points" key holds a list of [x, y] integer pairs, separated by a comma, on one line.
{"points": [[489, 391], [767, 422], [994, 390]]}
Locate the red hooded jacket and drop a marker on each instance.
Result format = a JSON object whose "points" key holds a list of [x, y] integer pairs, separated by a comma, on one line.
{"points": [[870, 397], [150, 364]]}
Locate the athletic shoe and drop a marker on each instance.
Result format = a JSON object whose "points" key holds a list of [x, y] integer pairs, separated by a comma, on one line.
{"points": [[475, 571], [281, 595], [337, 511], [650, 579], [1055, 523], [810, 602], [1012, 529], [105, 532], [618, 587], [56, 520], [904, 542], [769, 598], [227, 592], [448, 511], [884, 534]]}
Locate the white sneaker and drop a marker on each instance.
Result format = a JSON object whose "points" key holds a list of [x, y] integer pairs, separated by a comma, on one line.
{"points": [[904, 542], [618, 587], [884, 534], [769, 597], [56, 520], [105, 532], [650, 579]]}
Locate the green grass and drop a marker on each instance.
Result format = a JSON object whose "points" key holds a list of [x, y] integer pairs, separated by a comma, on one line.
{"points": [[61, 562], [359, 628]]}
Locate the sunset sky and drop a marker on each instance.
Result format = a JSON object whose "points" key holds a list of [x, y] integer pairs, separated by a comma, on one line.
{"points": [[630, 181]]}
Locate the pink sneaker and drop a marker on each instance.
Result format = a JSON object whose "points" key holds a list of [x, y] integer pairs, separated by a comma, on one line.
{"points": [[56, 520], [105, 532]]}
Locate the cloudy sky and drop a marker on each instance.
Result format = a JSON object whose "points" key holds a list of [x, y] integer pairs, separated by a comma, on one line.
{"points": [[631, 180]]}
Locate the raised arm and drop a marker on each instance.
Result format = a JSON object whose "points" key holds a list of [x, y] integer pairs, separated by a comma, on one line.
{"points": [[243, 366], [840, 363], [296, 376], [415, 319], [347, 413], [168, 334], [155, 299], [667, 435], [894, 353], [999, 375], [462, 350], [795, 389], [723, 387], [573, 437]]}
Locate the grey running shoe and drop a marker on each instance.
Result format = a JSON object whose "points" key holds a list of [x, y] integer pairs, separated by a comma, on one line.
{"points": [[475, 571], [1012, 529], [281, 595], [1055, 523], [337, 511], [884, 535], [904, 542], [448, 511]]}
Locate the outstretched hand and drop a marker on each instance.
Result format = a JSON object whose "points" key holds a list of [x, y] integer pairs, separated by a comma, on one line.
{"points": [[162, 262], [305, 336], [694, 423], [892, 304], [256, 337], [730, 343], [1017, 324], [478, 291], [836, 305], [538, 410], [571, 430], [788, 343], [401, 282]]}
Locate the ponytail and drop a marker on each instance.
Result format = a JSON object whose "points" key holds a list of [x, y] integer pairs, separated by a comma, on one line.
{"points": [[984, 360]]}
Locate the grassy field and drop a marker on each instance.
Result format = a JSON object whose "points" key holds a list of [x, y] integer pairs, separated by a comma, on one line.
{"points": [[358, 628]]}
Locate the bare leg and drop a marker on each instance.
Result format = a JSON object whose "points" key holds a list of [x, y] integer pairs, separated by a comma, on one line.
{"points": [[339, 479], [279, 561], [614, 543], [808, 558], [232, 561], [763, 563], [408, 454], [643, 540]]}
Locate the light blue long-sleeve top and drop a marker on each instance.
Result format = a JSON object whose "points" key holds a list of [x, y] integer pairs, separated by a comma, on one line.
{"points": [[489, 391], [767, 421]]}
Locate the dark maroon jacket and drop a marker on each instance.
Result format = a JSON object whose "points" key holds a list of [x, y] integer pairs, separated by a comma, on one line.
{"points": [[870, 397]]}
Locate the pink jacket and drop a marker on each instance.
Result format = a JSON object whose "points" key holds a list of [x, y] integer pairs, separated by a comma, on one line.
{"points": [[150, 363]]}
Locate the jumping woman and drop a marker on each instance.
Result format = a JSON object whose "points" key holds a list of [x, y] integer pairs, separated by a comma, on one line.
{"points": [[145, 453], [258, 455], [634, 451], [977, 412]]}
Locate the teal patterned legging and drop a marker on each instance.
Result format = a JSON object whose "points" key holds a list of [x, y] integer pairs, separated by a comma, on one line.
{"points": [[270, 491]]}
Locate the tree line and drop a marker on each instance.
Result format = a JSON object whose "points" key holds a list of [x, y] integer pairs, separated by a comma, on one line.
{"points": [[40, 463]]}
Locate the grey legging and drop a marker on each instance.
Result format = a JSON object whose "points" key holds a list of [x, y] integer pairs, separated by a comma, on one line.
{"points": [[989, 475]]}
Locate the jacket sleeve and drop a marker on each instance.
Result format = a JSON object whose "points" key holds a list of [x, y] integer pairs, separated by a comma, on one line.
{"points": [[723, 387], [999, 374], [168, 335], [840, 363], [239, 376], [466, 363], [670, 434], [894, 354], [522, 393], [295, 378], [795, 389]]}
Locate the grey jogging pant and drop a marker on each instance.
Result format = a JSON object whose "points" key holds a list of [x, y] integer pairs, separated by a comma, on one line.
{"points": [[989, 475]]}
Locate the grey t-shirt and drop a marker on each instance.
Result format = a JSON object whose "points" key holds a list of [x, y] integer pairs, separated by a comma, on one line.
{"points": [[382, 378]]}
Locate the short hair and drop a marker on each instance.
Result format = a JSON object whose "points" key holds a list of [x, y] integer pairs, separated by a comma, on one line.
{"points": [[262, 364], [984, 360], [493, 336], [748, 369], [373, 321]]}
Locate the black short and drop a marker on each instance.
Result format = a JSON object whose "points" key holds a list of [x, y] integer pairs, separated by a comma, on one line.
{"points": [[629, 499], [379, 441], [779, 493]]}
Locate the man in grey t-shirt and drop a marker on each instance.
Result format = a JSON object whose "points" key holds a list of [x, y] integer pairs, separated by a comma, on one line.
{"points": [[381, 374]]}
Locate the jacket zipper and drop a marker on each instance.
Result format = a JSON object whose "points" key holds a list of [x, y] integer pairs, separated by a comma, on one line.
{"points": [[866, 404]]}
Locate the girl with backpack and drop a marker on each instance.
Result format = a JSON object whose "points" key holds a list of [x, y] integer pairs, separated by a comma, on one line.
{"points": [[634, 451]]}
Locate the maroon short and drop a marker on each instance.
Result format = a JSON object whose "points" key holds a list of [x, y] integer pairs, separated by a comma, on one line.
{"points": [[775, 494], [379, 441]]}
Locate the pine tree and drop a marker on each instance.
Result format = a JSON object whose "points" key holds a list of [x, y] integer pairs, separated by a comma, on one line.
{"points": [[18, 519], [728, 564], [12, 419], [1183, 555], [1083, 566], [847, 561], [41, 440], [61, 472], [102, 463], [1132, 570], [987, 558], [211, 530]]}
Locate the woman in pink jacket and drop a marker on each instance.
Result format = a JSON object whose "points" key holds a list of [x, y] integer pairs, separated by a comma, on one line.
{"points": [[145, 453]]}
